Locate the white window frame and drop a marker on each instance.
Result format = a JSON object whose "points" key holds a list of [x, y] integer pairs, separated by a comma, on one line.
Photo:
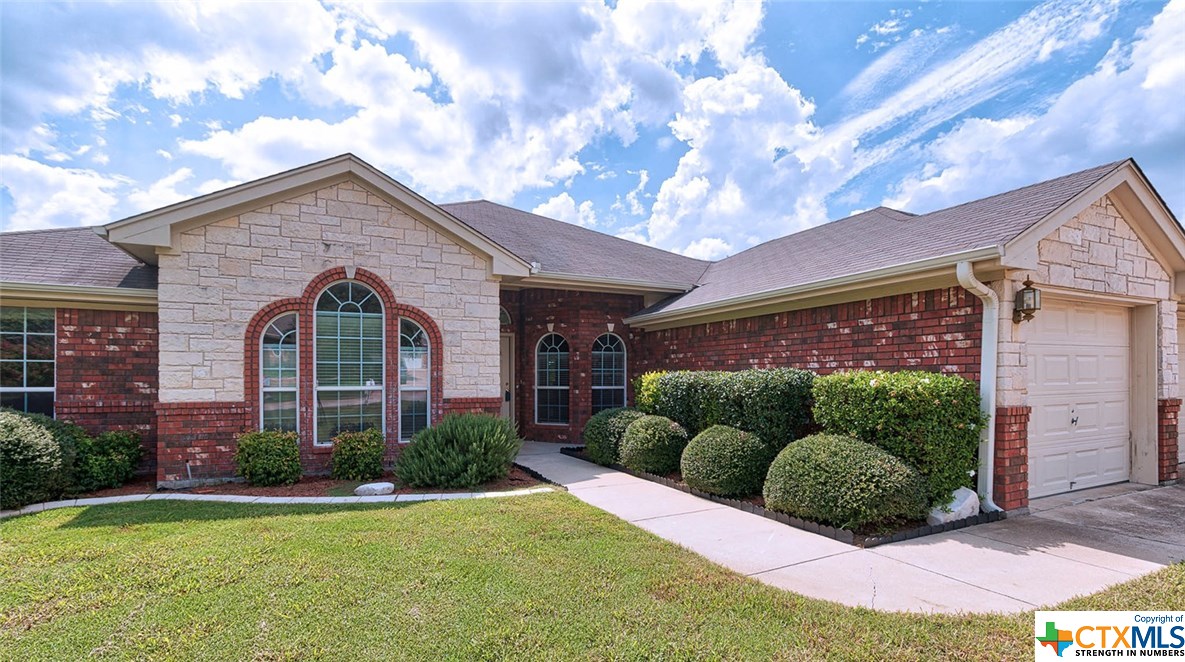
{"points": [[53, 390], [567, 387], [625, 379], [317, 388], [295, 389], [427, 390]]}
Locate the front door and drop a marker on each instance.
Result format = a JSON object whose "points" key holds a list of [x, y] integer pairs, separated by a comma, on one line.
{"points": [[507, 354]]}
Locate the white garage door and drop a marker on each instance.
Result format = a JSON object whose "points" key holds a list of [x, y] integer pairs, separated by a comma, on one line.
{"points": [[1078, 388]]}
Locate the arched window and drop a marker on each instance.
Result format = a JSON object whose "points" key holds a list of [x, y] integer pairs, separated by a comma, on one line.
{"points": [[608, 373], [503, 316], [349, 360], [551, 379], [278, 375], [414, 377]]}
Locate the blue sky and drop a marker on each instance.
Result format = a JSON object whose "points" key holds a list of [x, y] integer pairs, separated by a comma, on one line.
{"points": [[699, 128]]}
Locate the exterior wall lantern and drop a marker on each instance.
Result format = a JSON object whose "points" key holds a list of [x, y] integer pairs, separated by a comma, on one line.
{"points": [[1028, 302]]}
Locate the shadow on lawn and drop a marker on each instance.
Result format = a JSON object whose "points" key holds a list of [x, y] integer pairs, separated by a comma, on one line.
{"points": [[168, 511]]}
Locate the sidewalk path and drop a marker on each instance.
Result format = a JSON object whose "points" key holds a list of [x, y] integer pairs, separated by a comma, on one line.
{"points": [[1013, 565]]}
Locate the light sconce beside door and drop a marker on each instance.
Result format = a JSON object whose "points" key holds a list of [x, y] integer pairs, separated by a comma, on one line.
{"points": [[1028, 302]]}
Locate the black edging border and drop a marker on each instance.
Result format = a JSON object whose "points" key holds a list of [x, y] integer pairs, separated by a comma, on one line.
{"points": [[842, 535], [538, 476]]}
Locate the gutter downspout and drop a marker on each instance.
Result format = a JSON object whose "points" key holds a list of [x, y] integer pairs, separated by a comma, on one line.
{"points": [[988, 352]]}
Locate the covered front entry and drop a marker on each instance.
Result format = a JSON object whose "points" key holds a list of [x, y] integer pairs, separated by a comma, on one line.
{"points": [[1079, 358]]}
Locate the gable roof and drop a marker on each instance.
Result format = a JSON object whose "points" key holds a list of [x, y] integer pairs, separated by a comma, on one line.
{"points": [[70, 256], [558, 248], [879, 239]]}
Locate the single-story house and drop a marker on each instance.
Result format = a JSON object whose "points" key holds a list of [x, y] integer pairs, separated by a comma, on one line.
{"points": [[332, 297]]}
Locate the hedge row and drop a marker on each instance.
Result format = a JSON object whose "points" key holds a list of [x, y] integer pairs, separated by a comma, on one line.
{"points": [[773, 404], [42, 458]]}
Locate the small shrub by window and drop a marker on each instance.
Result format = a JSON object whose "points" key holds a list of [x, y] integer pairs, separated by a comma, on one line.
{"points": [[108, 460], [726, 461], [462, 450], [70, 439], [774, 404], [604, 431], [931, 421], [358, 455], [269, 457], [30, 462], [653, 444], [841, 481]]}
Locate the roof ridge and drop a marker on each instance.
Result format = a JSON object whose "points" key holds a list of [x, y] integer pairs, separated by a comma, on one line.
{"points": [[70, 229]]}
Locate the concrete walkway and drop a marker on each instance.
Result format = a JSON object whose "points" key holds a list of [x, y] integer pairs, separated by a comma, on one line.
{"points": [[1066, 548], [238, 498]]}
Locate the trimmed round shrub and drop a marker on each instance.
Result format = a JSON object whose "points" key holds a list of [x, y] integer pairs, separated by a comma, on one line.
{"points": [[269, 457], [930, 420], [71, 439], [653, 444], [358, 455], [108, 460], [841, 481], [603, 433], [30, 462], [462, 450], [725, 461]]}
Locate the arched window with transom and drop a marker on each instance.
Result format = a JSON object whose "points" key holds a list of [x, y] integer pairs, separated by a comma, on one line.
{"points": [[608, 372], [348, 361], [279, 374], [414, 379], [551, 380]]}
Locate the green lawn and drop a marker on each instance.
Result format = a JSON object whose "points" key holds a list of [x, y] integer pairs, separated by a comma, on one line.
{"points": [[541, 577]]}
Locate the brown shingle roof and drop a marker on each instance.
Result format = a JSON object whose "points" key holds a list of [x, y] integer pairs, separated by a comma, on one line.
{"points": [[70, 256], [563, 248], [881, 238]]}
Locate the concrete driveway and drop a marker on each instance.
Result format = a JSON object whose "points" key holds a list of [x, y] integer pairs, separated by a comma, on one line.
{"points": [[1066, 547]]}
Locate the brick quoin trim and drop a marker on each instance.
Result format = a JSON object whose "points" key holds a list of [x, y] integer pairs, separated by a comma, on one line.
{"points": [[196, 440], [1011, 482], [936, 330], [580, 317], [107, 373], [1168, 412]]}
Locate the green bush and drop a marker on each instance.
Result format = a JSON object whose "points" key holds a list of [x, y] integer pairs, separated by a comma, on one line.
{"points": [[774, 404], [108, 460], [841, 481], [269, 457], [653, 444], [30, 462], [725, 461], [69, 438], [603, 433], [462, 450], [359, 455], [931, 421]]}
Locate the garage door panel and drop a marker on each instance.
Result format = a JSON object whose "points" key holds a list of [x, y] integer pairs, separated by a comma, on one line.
{"points": [[1079, 393]]}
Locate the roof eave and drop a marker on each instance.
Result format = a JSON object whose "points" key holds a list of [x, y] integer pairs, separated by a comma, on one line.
{"points": [[602, 284], [83, 296], [850, 282]]}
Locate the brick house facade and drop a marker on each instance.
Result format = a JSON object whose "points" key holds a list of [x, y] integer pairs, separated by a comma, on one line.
{"points": [[171, 343]]}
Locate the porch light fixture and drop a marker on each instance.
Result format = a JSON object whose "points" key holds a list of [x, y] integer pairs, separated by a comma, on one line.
{"points": [[1028, 302]]}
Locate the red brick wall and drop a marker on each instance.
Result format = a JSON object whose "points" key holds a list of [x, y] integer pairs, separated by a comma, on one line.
{"points": [[107, 373], [936, 330], [195, 440], [1168, 411], [1011, 482], [580, 317]]}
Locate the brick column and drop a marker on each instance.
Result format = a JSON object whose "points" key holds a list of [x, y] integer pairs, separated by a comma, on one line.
{"points": [[1012, 458], [1167, 412]]}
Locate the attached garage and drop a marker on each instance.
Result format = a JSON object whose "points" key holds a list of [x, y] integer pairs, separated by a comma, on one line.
{"points": [[1079, 390]]}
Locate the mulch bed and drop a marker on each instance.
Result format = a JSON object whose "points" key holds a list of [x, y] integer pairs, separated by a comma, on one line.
{"points": [[865, 537], [317, 486]]}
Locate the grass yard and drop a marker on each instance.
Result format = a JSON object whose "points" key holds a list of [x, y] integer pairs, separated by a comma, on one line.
{"points": [[542, 577]]}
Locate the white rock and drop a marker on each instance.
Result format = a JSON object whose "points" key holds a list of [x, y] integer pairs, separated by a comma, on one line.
{"points": [[374, 489], [964, 504]]}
